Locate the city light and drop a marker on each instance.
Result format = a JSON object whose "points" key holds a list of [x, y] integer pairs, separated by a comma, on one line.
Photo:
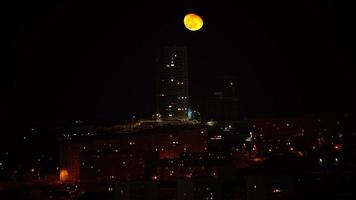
{"points": [[63, 175], [277, 190], [337, 146], [176, 107]]}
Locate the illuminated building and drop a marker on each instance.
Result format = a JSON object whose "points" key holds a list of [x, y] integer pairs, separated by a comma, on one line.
{"points": [[129, 157], [172, 83]]}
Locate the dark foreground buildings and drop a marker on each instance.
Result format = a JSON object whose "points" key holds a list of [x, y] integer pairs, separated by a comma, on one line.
{"points": [[305, 157], [309, 157]]}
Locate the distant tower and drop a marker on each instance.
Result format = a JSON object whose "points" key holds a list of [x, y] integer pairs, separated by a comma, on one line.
{"points": [[224, 104], [172, 83]]}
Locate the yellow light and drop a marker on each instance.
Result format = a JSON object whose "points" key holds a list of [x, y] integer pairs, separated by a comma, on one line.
{"points": [[193, 22], [63, 175]]}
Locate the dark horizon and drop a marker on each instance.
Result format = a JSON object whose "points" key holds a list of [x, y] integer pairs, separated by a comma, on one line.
{"points": [[95, 61]]}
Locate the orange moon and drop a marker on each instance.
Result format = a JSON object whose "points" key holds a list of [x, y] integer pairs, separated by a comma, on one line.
{"points": [[193, 22]]}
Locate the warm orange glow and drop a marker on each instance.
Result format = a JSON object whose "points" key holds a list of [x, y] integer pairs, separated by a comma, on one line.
{"points": [[258, 160], [193, 22], [63, 175]]}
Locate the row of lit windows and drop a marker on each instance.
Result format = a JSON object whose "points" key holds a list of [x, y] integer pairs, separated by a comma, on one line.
{"points": [[174, 142], [170, 65]]}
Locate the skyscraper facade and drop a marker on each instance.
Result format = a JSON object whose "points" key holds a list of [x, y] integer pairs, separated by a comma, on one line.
{"points": [[172, 83]]}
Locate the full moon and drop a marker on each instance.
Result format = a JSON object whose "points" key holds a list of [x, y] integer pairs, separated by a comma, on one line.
{"points": [[193, 22]]}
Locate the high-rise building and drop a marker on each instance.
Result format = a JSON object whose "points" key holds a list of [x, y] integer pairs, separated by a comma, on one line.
{"points": [[223, 104], [172, 83]]}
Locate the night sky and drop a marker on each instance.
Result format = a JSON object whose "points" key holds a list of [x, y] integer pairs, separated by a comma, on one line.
{"points": [[94, 60]]}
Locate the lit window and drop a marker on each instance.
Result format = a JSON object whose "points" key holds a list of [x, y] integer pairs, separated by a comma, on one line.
{"points": [[179, 109], [320, 161], [170, 115], [167, 65], [172, 79], [170, 106], [172, 65], [277, 190]]}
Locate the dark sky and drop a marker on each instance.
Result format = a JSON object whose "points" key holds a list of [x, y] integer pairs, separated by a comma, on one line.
{"points": [[94, 60]]}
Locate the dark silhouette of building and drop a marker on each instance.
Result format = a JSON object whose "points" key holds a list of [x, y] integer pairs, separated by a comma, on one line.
{"points": [[172, 83], [223, 104]]}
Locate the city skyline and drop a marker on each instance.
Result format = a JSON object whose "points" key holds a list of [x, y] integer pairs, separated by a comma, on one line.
{"points": [[178, 100]]}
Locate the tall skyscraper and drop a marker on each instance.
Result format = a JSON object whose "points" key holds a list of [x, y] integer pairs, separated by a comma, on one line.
{"points": [[172, 83]]}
